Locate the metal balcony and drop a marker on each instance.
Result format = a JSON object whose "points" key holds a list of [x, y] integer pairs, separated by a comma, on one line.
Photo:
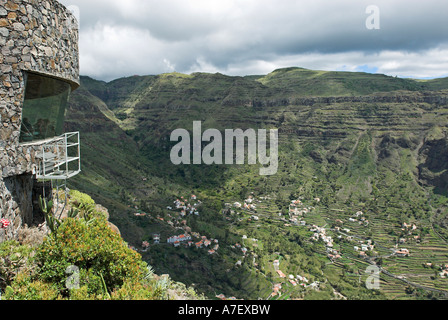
{"points": [[59, 158]]}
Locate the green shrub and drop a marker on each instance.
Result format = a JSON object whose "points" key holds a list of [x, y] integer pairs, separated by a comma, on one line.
{"points": [[82, 293], [14, 258], [79, 199], [95, 250], [133, 290], [85, 206], [24, 288], [155, 288], [81, 259]]}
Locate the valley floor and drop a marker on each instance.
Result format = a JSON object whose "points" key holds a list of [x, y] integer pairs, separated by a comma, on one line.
{"points": [[340, 246]]}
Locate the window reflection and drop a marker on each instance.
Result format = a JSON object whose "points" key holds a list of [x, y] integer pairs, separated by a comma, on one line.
{"points": [[44, 107]]}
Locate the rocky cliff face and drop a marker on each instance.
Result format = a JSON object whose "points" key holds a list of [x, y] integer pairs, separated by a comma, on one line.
{"points": [[397, 114], [434, 167]]}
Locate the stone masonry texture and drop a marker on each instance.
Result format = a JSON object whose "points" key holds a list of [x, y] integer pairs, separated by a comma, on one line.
{"points": [[39, 36]]}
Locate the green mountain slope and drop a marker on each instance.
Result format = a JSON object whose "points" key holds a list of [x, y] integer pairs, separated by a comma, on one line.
{"points": [[303, 82], [355, 141]]}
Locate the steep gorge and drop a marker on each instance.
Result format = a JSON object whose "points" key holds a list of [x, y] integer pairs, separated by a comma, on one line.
{"points": [[352, 139]]}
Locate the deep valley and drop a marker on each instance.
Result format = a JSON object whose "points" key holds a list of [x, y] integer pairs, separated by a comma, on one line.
{"points": [[362, 181]]}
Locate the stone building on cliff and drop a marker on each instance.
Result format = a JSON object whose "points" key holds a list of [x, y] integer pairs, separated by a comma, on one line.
{"points": [[39, 65]]}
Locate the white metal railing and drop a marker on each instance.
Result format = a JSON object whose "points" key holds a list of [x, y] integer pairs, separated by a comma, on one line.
{"points": [[59, 158]]}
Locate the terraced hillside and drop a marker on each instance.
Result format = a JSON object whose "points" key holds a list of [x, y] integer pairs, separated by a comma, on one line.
{"points": [[355, 141]]}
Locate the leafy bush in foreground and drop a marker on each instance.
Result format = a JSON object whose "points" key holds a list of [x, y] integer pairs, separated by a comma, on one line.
{"points": [[106, 268], [93, 248], [14, 259], [81, 259]]}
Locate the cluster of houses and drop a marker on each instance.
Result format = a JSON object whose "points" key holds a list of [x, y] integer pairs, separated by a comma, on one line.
{"points": [[276, 290], [254, 241], [443, 269], [409, 231], [138, 212], [278, 286], [297, 208], [321, 233], [359, 217], [444, 273], [177, 240], [338, 227], [187, 241], [296, 222], [409, 227], [145, 246], [294, 280], [240, 247], [248, 204], [297, 211], [186, 208], [364, 247], [402, 253], [245, 251]]}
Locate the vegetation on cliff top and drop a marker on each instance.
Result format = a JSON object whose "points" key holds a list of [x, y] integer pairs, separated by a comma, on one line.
{"points": [[82, 259]]}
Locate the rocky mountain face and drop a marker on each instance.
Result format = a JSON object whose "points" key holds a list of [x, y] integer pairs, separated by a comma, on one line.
{"points": [[352, 139], [330, 108]]}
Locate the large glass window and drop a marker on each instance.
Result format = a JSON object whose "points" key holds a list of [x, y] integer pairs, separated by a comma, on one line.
{"points": [[44, 107]]}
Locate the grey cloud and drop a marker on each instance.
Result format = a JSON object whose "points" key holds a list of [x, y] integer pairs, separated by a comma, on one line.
{"points": [[159, 35]]}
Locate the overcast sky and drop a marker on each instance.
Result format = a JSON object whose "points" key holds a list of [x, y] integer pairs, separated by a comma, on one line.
{"points": [[243, 37]]}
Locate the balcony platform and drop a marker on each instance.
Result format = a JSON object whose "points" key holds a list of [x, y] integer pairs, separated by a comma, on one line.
{"points": [[59, 158]]}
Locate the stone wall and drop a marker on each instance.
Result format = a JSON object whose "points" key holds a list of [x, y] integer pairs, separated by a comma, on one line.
{"points": [[17, 196], [39, 36]]}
